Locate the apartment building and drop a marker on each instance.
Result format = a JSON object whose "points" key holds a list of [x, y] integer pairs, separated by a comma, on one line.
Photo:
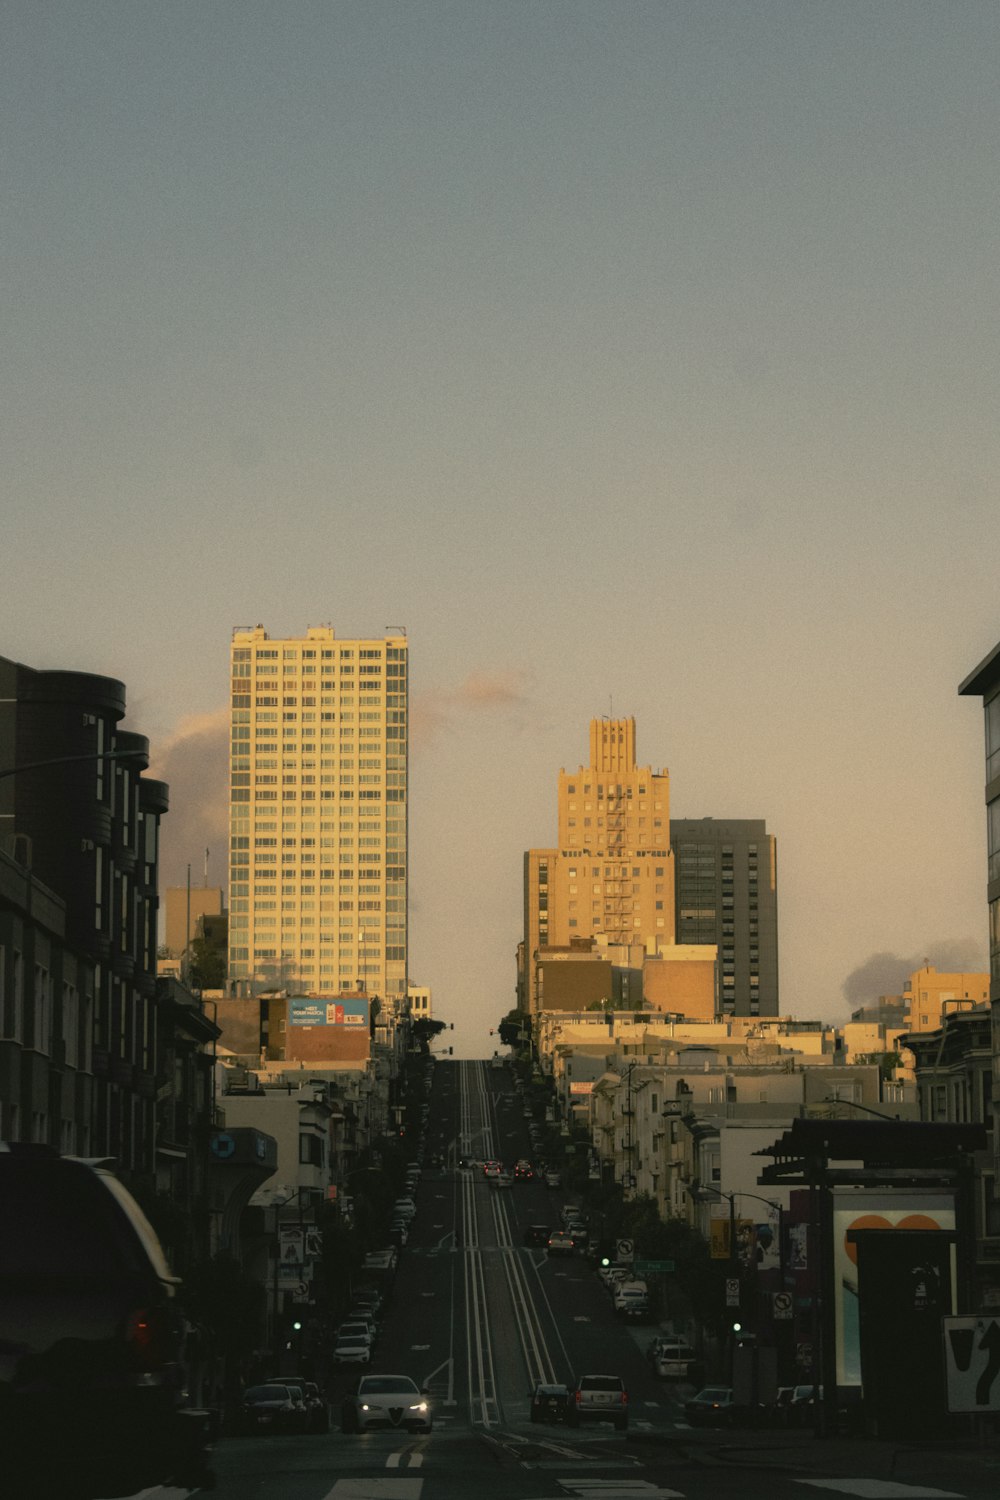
{"points": [[318, 814], [726, 892], [78, 1060], [984, 682]]}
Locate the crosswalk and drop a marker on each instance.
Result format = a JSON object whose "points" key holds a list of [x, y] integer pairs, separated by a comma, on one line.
{"points": [[627, 1488], [882, 1489]]}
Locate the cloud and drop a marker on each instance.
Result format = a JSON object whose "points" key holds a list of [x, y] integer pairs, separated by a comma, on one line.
{"points": [[432, 712], [884, 973], [194, 761]]}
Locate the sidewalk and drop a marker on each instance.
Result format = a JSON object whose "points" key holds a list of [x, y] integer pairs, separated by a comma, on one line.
{"points": [[938, 1463]]}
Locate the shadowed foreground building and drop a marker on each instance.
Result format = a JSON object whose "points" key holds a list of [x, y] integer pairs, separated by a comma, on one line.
{"points": [[78, 919]]}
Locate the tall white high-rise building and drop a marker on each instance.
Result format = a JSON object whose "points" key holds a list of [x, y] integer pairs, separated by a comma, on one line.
{"points": [[318, 814]]}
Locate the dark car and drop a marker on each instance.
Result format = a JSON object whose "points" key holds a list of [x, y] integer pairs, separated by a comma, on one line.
{"points": [[549, 1403], [560, 1244], [712, 1407], [317, 1410], [273, 1408], [536, 1234], [93, 1399], [524, 1171]]}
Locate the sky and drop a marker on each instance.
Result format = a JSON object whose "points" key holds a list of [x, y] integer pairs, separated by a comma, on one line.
{"points": [[636, 358]]}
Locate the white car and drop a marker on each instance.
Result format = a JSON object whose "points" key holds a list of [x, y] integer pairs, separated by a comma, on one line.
{"points": [[404, 1208], [352, 1351], [356, 1329], [387, 1401]]}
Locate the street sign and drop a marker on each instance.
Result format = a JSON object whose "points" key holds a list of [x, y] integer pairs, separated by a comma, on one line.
{"points": [[626, 1250], [300, 1292], [652, 1267], [781, 1305], [290, 1276], [972, 1363], [732, 1291], [291, 1245]]}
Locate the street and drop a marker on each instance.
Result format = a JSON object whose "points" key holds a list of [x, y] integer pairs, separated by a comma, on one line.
{"points": [[477, 1318]]}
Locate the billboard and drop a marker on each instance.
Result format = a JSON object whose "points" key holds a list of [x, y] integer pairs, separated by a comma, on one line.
{"points": [[303, 1011], [882, 1208]]}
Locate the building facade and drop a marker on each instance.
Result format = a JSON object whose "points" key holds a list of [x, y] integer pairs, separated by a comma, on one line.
{"points": [[984, 683], [726, 892], [624, 875], [87, 829], [318, 856], [610, 878]]}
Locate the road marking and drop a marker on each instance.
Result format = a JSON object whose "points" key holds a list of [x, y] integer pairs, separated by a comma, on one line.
{"points": [[882, 1489], [581, 1319], [420, 1346], [373, 1488], [611, 1489]]}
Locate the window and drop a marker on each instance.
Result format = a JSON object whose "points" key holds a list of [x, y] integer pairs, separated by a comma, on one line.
{"points": [[992, 717]]}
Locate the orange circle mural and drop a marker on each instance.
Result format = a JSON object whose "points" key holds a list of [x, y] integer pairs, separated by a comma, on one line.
{"points": [[879, 1221], [863, 1221]]}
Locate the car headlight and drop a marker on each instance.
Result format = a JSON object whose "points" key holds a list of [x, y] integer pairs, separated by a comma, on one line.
{"points": [[365, 1406], [419, 1406]]}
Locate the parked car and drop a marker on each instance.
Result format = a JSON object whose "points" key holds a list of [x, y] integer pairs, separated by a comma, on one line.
{"points": [[779, 1413], [404, 1208], [357, 1328], [524, 1171], [536, 1234], [802, 1404], [381, 1260], [671, 1358], [356, 1350], [549, 1403], [712, 1407], [387, 1401], [631, 1301], [272, 1408], [317, 1410], [600, 1398], [93, 1398], [560, 1243], [553, 1180]]}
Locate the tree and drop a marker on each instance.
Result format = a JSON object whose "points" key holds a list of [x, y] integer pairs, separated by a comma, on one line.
{"points": [[424, 1028], [208, 965], [512, 1029]]}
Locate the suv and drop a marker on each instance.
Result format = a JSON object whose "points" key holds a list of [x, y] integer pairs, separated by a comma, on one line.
{"points": [[631, 1300], [599, 1398], [92, 1393]]}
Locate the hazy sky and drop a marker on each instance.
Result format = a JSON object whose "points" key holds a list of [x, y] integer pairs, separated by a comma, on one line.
{"points": [[624, 353]]}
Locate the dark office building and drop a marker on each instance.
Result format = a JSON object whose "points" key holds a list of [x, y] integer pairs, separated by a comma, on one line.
{"points": [[726, 892], [87, 831]]}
